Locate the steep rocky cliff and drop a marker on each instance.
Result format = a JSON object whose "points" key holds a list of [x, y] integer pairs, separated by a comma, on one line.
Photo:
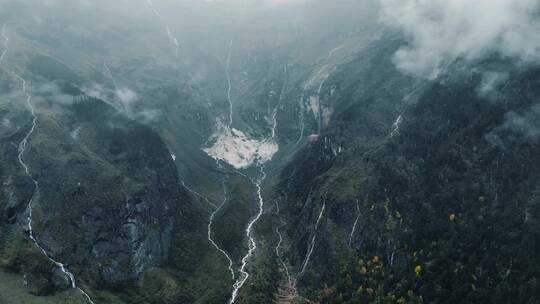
{"points": [[107, 194], [439, 206]]}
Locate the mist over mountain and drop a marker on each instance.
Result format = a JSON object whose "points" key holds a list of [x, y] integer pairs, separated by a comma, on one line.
{"points": [[441, 32], [269, 151]]}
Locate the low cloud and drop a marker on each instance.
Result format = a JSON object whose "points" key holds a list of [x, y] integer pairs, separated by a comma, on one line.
{"points": [[51, 92], [491, 81], [124, 100], [441, 31], [526, 123]]}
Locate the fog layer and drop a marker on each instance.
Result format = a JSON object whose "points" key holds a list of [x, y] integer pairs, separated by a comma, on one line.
{"points": [[441, 31]]}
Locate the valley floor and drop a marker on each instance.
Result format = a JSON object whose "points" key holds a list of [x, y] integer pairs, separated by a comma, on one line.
{"points": [[12, 290]]}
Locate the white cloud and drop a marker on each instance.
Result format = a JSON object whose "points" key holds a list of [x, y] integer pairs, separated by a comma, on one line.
{"points": [[51, 92], [441, 31], [490, 82]]}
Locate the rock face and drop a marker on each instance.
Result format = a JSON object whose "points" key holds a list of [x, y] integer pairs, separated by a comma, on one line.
{"points": [[409, 213], [126, 247], [60, 280], [16, 189], [109, 196], [125, 218]]}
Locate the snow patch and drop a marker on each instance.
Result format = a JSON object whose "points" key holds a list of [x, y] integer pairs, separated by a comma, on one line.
{"points": [[326, 116], [314, 105], [126, 95], [239, 149], [313, 137], [6, 123], [75, 133]]}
